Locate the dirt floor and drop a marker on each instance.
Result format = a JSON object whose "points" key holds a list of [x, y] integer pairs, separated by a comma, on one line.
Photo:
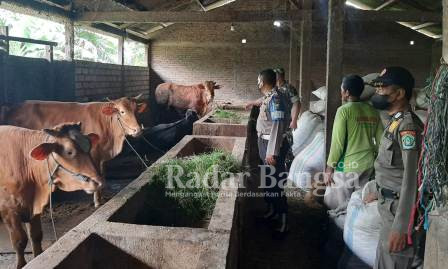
{"points": [[301, 248]]}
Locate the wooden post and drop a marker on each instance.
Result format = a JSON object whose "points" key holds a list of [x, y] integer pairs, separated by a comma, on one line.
{"points": [[445, 31], [69, 41], [4, 51], [121, 63], [49, 54], [335, 49], [306, 28]]}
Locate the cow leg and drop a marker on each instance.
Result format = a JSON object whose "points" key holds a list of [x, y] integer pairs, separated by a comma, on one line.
{"points": [[97, 194], [97, 199], [35, 231], [18, 237]]}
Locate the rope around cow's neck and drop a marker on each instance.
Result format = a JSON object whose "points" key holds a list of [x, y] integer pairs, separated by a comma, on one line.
{"points": [[50, 184], [129, 144]]}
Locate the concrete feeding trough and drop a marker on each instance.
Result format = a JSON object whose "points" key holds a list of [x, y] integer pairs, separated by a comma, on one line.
{"points": [[116, 236], [223, 121]]}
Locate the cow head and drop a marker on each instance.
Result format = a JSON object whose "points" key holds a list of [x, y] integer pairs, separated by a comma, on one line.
{"points": [[210, 87], [71, 150], [126, 109]]}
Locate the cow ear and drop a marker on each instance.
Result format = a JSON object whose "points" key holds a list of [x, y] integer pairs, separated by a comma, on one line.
{"points": [[201, 86], [141, 107], [109, 110], [94, 138], [42, 151], [51, 132], [216, 87]]}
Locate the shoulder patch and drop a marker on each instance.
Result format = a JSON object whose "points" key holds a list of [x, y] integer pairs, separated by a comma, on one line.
{"points": [[408, 140], [276, 108]]}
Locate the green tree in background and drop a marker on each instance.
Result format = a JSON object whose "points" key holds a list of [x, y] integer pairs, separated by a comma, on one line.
{"points": [[95, 47]]}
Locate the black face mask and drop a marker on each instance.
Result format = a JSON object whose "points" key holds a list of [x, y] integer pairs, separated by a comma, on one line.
{"points": [[380, 102]]}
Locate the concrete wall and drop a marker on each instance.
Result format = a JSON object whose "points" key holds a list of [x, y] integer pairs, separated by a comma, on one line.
{"points": [[94, 81], [29, 78], [37, 79], [191, 53]]}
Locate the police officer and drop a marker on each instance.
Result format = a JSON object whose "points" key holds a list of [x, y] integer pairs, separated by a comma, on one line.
{"points": [[396, 167], [271, 126], [293, 99]]}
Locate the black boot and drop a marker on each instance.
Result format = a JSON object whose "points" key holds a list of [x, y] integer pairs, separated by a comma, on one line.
{"points": [[281, 228]]}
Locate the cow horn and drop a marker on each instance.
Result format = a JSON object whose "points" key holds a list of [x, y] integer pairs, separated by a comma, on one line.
{"points": [[138, 96], [108, 99]]}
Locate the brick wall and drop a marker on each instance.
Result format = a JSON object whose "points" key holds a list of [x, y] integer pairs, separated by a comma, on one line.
{"points": [[191, 53], [95, 81]]}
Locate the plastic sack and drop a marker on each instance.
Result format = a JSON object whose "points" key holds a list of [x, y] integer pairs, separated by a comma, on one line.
{"points": [[308, 162], [369, 91], [362, 227], [321, 93], [307, 125]]}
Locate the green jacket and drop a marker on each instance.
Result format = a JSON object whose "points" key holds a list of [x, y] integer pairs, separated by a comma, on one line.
{"points": [[357, 131]]}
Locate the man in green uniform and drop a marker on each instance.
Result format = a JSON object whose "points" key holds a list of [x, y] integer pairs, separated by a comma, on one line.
{"points": [[396, 167], [357, 130], [271, 126]]}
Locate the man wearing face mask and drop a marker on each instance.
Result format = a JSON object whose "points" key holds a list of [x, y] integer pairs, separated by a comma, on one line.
{"points": [[396, 167], [271, 126]]}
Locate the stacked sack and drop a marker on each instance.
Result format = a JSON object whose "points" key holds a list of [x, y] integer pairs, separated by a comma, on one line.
{"points": [[362, 225], [309, 150]]}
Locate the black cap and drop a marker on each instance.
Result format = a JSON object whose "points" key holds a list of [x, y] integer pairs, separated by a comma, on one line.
{"points": [[395, 75], [279, 70]]}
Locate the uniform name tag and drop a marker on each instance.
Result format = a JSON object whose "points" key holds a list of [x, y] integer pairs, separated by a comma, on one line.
{"points": [[408, 140]]}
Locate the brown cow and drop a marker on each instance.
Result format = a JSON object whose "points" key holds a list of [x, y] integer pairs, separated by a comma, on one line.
{"points": [[196, 97], [29, 159], [110, 120]]}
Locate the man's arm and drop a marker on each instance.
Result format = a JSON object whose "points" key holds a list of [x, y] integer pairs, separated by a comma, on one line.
{"points": [[409, 150], [294, 114], [378, 134], [408, 140], [257, 102], [338, 137]]}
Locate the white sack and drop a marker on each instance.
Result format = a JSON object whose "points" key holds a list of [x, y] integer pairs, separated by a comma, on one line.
{"points": [[321, 93], [307, 125], [309, 162], [362, 228]]}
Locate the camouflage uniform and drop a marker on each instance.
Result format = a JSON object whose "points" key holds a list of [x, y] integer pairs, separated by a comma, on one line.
{"points": [[291, 97]]}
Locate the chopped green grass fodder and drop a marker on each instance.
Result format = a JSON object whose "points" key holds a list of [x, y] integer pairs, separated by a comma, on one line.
{"points": [[191, 198], [226, 114]]}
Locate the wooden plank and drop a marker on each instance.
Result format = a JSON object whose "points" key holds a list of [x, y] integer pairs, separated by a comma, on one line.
{"points": [[69, 41], [28, 40], [306, 36], [249, 16], [423, 25], [3, 58], [386, 4], [335, 54], [390, 16], [445, 31], [40, 8], [185, 16], [119, 32], [121, 63]]}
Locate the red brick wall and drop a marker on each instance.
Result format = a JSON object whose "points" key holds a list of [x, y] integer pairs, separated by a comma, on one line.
{"points": [[95, 81], [191, 53]]}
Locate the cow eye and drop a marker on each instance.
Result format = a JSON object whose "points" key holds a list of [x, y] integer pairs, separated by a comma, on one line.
{"points": [[70, 153], [122, 112]]}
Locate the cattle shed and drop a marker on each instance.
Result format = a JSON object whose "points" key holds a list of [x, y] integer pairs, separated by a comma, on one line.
{"points": [[97, 51]]}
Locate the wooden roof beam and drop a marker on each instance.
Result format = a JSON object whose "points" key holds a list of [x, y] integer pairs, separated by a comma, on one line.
{"points": [[249, 16], [386, 4], [423, 25]]}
